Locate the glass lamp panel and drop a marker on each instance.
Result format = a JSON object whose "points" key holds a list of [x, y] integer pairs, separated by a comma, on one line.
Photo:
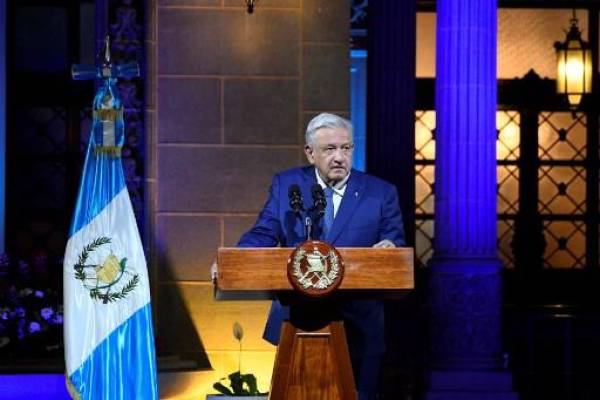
{"points": [[574, 99], [588, 71], [561, 85], [574, 71]]}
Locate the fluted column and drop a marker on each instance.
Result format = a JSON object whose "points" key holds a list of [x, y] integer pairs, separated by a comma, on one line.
{"points": [[465, 282], [465, 196]]}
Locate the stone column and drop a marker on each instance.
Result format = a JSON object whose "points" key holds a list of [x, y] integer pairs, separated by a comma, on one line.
{"points": [[465, 283]]}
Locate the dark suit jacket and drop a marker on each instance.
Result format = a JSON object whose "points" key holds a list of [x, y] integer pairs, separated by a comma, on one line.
{"points": [[368, 213]]}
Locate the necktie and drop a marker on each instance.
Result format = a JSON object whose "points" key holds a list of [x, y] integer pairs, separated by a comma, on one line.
{"points": [[328, 217]]}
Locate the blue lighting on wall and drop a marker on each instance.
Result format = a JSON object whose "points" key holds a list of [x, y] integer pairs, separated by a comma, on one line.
{"points": [[358, 106]]}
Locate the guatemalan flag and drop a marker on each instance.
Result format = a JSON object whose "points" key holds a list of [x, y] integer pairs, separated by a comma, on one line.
{"points": [[109, 340]]}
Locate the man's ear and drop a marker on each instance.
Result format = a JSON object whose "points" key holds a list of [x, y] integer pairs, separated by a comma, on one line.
{"points": [[310, 155]]}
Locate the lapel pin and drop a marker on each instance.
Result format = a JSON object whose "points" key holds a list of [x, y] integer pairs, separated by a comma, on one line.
{"points": [[355, 194]]}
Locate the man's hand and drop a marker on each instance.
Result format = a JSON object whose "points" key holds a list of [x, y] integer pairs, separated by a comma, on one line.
{"points": [[214, 271], [384, 244]]}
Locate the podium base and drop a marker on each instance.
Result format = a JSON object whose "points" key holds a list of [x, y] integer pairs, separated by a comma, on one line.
{"points": [[313, 365]]}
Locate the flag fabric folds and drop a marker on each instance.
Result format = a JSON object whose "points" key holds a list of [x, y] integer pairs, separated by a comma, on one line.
{"points": [[109, 339]]}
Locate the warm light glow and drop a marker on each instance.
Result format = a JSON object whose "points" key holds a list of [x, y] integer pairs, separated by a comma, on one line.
{"points": [[574, 76], [197, 384], [213, 321], [509, 135], [574, 71], [424, 141], [574, 66], [574, 99]]}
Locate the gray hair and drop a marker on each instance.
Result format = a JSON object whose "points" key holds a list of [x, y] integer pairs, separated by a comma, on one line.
{"points": [[325, 120]]}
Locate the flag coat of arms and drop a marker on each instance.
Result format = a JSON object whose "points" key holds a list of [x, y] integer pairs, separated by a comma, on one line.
{"points": [[109, 340]]}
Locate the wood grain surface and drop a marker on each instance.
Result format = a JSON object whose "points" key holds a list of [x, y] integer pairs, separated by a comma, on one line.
{"points": [[266, 268], [313, 365]]}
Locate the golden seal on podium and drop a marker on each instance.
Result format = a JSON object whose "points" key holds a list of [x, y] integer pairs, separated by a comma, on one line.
{"points": [[315, 268]]}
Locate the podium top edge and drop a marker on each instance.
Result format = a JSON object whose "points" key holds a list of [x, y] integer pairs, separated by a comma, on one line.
{"points": [[292, 248]]}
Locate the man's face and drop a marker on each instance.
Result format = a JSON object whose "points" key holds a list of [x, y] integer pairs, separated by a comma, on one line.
{"points": [[331, 154]]}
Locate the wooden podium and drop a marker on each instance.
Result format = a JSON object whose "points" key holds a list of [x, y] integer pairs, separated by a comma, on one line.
{"points": [[312, 359]]}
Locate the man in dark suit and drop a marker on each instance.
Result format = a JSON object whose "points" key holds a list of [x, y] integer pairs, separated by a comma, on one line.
{"points": [[365, 213]]}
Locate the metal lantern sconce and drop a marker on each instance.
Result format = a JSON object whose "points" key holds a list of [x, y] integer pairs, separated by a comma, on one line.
{"points": [[250, 5], [574, 66]]}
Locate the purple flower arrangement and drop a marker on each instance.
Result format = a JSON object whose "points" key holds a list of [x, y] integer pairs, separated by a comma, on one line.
{"points": [[31, 311]]}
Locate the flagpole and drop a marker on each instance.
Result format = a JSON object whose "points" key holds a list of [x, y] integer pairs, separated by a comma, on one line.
{"points": [[109, 337]]}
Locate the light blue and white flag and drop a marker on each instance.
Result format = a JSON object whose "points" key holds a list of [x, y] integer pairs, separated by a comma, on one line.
{"points": [[109, 340]]}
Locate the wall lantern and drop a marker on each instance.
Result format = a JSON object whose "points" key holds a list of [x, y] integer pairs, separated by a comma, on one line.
{"points": [[574, 63]]}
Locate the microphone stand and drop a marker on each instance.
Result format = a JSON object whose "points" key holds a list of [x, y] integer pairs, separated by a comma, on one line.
{"points": [[312, 215], [308, 228]]}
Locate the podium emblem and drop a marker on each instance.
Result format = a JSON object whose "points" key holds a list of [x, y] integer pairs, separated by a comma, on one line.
{"points": [[315, 268]]}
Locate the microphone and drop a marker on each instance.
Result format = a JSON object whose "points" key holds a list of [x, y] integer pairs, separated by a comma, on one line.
{"points": [[295, 197], [319, 199]]}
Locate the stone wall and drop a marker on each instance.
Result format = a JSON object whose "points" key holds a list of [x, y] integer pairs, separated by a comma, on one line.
{"points": [[228, 96]]}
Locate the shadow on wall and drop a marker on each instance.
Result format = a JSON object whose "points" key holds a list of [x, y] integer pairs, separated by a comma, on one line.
{"points": [[178, 344]]}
